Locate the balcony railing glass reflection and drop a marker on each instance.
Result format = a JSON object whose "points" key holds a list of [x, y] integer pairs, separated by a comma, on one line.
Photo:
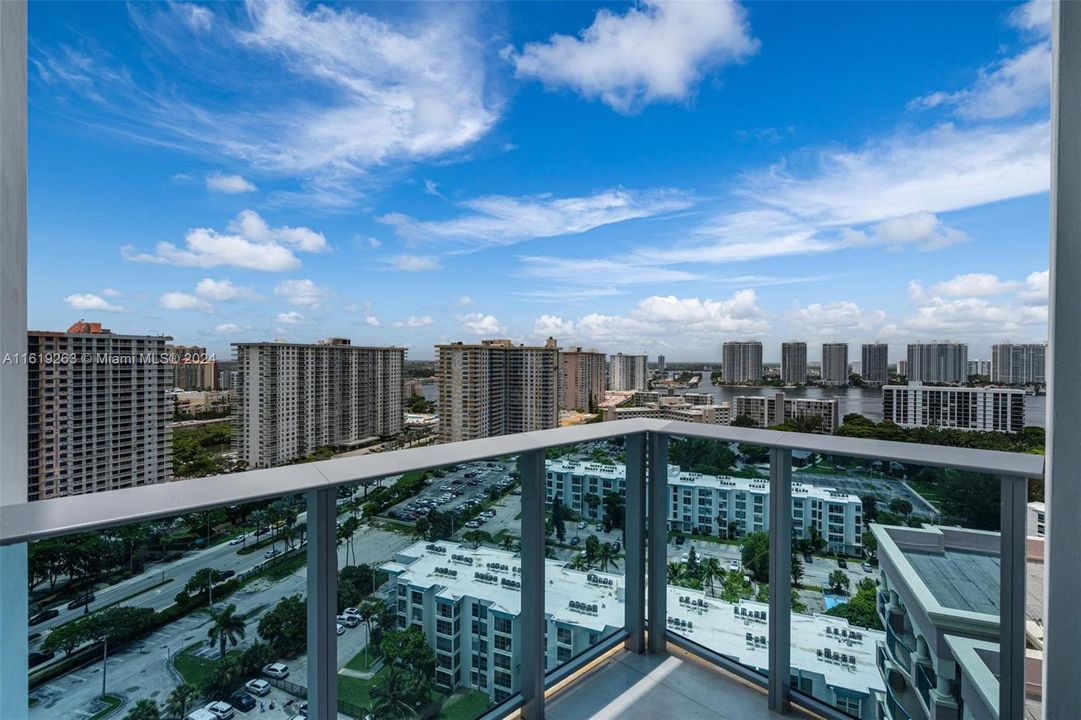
{"points": [[649, 458]]}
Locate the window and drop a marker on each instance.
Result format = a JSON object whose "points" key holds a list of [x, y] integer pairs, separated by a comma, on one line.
{"points": [[563, 636], [503, 625], [502, 679], [502, 643]]}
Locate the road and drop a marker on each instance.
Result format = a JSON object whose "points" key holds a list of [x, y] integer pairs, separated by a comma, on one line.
{"points": [[145, 669]]}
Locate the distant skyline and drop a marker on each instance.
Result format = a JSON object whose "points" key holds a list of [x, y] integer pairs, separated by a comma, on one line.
{"points": [[412, 174]]}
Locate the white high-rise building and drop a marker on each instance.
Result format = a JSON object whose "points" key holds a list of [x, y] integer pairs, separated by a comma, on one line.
{"points": [[581, 379], [1019, 364], [794, 363], [293, 398], [964, 408], [945, 362], [874, 365], [98, 422], [497, 388], [742, 362], [628, 372], [769, 410], [834, 364]]}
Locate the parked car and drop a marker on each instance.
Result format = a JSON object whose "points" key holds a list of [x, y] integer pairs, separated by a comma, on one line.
{"points": [[733, 566], [349, 620], [242, 701], [221, 709], [36, 658], [616, 547], [84, 599], [680, 539], [201, 714], [258, 687], [684, 557], [472, 524], [807, 558], [842, 563], [276, 670], [303, 708], [226, 574], [340, 628], [583, 525], [575, 540], [43, 616], [867, 567], [238, 540]]}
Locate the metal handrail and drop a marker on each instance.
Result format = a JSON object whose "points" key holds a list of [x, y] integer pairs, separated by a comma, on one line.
{"points": [[25, 522]]}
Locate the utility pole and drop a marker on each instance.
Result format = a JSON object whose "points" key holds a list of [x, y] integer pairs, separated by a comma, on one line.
{"points": [[104, 662]]}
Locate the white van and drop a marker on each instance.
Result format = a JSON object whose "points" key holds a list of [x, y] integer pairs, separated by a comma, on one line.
{"points": [[201, 714]]}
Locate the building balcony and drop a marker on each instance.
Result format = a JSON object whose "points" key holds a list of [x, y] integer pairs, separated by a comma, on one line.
{"points": [[621, 636]]}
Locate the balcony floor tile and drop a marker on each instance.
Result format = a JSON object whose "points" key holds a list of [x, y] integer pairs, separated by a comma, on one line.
{"points": [[646, 687]]}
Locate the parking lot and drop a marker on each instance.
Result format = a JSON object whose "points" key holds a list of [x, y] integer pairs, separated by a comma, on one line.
{"points": [[461, 489]]}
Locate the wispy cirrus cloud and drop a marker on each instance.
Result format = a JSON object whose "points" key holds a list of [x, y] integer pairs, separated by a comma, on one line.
{"points": [[657, 51], [506, 220], [315, 94]]}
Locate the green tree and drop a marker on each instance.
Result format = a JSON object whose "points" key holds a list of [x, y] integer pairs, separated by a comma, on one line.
{"points": [[607, 556], [286, 626], [900, 506], [675, 573], [226, 627], [144, 709], [409, 650], [255, 657], [67, 637], [593, 546], [477, 537], [744, 421], [592, 501], [711, 573], [870, 508], [614, 511], [348, 595], [180, 699], [839, 582], [861, 609], [506, 542], [392, 692], [755, 556]]}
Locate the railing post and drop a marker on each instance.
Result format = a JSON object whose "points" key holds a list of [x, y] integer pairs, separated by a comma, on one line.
{"points": [[1062, 581], [322, 605], [14, 701], [634, 530], [657, 596], [1011, 687], [531, 471], [780, 576]]}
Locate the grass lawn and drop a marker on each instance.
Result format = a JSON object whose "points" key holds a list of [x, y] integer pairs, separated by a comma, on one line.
{"points": [[360, 663], [113, 703], [196, 670], [464, 705], [357, 691]]}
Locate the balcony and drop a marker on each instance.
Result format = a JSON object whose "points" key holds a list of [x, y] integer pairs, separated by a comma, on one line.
{"points": [[744, 657]]}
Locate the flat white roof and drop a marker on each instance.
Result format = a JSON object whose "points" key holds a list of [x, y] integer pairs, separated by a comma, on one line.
{"points": [[678, 477], [711, 622]]}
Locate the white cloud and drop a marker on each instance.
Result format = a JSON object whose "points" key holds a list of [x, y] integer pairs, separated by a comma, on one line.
{"points": [[1037, 288], [224, 289], [553, 326], [504, 220], [367, 243], [302, 293], [248, 243], [415, 321], [290, 318], [197, 17], [227, 328], [657, 51], [973, 285], [340, 92], [229, 184], [481, 324], [112, 293], [414, 263], [89, 301], [1007, 88], [183, 301], [1033, 16], [465, 300], [836, 319], [372, 320], [922, 229]]}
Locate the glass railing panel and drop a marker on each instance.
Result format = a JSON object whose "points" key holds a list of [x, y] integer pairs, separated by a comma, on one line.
{"points": [[875, 542], [585, 572], [718, 551], [439, 634], [207, 607]]}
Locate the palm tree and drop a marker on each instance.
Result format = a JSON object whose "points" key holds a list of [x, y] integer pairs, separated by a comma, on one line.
{"points": [[675, 572], [607, 556], [506, 542], [579, 562], [711, 571], [179, 699], [391, 693], [144, 709], [226, 627], [592, 500], [367, 614]]}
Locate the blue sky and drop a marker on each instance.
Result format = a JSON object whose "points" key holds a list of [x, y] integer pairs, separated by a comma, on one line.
{"points": [[659, 177]]}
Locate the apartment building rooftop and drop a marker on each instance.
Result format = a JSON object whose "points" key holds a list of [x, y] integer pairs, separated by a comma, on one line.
{"points": [[958, 578]]}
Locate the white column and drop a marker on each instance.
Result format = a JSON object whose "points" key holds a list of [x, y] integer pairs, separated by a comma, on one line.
{"points": [[1062, 580], [13, 401]]}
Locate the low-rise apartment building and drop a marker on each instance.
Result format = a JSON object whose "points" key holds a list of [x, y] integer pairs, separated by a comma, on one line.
{"points": [[690, 407], [467, 601], [711, 505], [769, 410]]}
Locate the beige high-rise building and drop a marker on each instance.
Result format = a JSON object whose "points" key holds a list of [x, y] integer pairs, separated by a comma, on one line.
{"points": [[98, 408], [496, 388], [581, 378], [294, 398], [741, 362], [192, 368]]}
